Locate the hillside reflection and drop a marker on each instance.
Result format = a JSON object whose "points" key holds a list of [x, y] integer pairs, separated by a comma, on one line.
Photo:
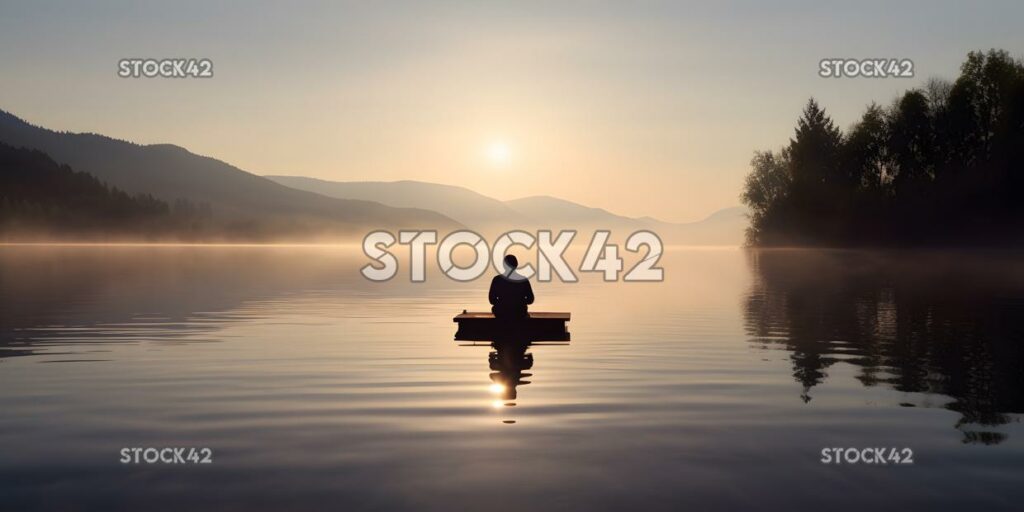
{"points": [[950, 325]]}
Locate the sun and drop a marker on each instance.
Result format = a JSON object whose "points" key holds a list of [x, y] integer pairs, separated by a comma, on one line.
{"points": [[498, 153]]}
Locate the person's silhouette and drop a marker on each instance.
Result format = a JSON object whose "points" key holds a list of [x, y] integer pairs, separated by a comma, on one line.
{"points": [[510, 292]]}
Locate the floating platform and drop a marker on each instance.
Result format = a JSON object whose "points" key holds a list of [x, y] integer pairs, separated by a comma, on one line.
{"points": [[539, 326]]}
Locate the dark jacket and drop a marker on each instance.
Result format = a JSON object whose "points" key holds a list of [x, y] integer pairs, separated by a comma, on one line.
{"points": [[510, 297]]}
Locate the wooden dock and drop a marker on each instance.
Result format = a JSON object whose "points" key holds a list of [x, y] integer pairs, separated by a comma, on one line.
{"points": [[539, 326]]}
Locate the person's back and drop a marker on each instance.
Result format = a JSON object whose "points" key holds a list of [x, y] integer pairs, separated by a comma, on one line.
{"points": [[510, 292]]}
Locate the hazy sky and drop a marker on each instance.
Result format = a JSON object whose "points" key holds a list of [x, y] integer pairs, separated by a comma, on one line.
{"points": [[639, 108]]}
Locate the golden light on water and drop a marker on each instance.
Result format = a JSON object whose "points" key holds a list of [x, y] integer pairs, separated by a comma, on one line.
{"points": [[497, 388]]}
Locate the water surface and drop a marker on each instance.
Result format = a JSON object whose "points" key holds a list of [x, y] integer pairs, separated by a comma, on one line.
{"points": [[316, 389]]}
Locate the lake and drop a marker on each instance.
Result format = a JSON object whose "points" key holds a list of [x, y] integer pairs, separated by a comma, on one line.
{"points": [[314, 388]]}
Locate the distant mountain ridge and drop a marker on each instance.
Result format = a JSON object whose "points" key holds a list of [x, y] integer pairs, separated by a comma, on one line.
{"points": [[40, 198], [246, 203], [490, 215], [459, 203], [549, 207], [247, 206]]}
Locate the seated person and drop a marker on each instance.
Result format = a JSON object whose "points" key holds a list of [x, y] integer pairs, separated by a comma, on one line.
{"points": [[510, 292]]}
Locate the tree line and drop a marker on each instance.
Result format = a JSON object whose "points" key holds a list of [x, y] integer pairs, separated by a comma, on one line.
{"points": [[942, 165], [39, 197]]}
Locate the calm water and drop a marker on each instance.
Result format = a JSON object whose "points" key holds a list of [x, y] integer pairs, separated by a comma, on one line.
{"points": [[315, 389]]}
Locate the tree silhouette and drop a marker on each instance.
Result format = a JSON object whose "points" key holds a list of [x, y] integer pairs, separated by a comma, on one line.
{"points": [[944, 165], [40, 197]]}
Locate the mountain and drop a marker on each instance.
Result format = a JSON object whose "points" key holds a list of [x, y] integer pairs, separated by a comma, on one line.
{"points": [[461, 204], [491, 216], [237, 204], [246, 205], [40, 198], [561, 213], [723, 227], [728, 215]]}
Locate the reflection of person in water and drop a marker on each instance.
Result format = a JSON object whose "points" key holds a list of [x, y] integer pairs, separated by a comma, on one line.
{"points": [[510, 292], [508, 361]]}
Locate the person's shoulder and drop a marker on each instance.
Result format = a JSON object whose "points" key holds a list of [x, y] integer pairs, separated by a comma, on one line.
{"points": [[497, 278]]}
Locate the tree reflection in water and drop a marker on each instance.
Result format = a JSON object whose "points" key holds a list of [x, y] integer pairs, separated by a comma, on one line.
{"points": [[947, 324]]}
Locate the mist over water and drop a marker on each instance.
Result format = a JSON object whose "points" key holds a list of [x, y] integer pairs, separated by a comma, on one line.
{"points": [[316, 388]]}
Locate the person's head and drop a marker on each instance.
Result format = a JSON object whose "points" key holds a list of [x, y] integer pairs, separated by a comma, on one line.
{"points": [[511, 263]]}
